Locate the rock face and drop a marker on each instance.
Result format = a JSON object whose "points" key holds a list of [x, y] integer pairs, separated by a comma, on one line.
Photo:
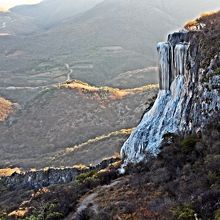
{"points": [[185, 101], [41, 178], [50, 176]]}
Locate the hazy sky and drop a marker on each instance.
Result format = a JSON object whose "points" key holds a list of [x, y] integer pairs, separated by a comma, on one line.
{"points": [[7, 4]]}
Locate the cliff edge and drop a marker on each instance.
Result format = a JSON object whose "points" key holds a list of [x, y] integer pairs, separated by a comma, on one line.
{"points": [[189, 95]]}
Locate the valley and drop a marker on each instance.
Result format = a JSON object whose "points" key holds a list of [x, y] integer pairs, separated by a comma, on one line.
{"points": [[99, 123], [64, 115], [99, 42]]}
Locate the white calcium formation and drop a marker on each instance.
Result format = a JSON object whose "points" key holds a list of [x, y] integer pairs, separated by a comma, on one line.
{"points": [[184, 102], [167, 113]]}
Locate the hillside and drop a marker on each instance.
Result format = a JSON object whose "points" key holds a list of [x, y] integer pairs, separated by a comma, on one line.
{"points": [[5, 109], [50, 12], [168, 168], [98, 44], [68, 115], [181, 182]]}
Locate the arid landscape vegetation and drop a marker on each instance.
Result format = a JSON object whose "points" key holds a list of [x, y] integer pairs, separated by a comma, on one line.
{"points": [[80, 41], [78, 78], [69, 115]]}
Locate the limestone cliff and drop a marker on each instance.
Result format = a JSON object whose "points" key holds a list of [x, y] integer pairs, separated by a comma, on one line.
{"points": [[189, 89]]}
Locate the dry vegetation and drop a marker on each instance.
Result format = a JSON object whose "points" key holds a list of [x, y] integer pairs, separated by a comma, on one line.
{"points": [[75, 114], [181, 183], [9, 171], [208, 35], [105, 93], [5, 108], [206, 20]]}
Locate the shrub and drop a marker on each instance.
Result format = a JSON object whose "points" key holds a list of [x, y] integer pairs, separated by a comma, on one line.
{"points": [[32, 217], [47, 211], [188, 144], [84, 176], [217, 214], [216, 72], [183, 212], [169, 137], [54, 216], [213, 177]]}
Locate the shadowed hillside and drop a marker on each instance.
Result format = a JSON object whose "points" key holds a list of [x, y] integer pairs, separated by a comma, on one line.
{"points": [[71, 114]]}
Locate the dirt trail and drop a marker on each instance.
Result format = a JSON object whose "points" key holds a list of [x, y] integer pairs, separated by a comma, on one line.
{"points": [[89, 201]]}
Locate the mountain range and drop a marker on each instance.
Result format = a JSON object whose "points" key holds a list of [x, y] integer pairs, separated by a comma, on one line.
{"points": [[99, 40]]}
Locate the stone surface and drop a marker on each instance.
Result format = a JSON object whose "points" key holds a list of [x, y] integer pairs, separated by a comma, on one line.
{"points": [[188, 97], [50, 176]]}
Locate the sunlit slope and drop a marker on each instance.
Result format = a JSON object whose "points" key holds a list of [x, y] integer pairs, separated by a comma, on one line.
{"points": [[5, 108]]}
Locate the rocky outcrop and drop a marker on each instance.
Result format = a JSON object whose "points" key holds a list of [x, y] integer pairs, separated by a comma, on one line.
{"points": [[41, 178], [188, 97], [50, 176]]}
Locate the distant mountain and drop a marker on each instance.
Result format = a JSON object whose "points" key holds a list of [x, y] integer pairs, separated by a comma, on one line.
{"points": [[50, 12], [98, 42], [12, 24]]}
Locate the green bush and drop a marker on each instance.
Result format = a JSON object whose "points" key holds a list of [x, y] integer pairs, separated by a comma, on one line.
{"points": [[54, 216], [47, 211], [213, 177], [216, 72], [188, 144], [84, 176], [217, 214], [32, 217], [183, 212]]}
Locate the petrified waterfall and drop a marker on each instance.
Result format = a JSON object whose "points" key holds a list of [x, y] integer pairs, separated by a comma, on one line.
{"points": [[168, 111]]}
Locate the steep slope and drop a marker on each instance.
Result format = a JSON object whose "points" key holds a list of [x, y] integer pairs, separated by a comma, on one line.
{"points": [[182, 182], [189, 89], [68, 115]]}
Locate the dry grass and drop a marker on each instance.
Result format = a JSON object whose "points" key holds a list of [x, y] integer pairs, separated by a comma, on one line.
{"points": [[9, 171], [105, 93], [20, 213], [5, 108], [205, 19]]}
